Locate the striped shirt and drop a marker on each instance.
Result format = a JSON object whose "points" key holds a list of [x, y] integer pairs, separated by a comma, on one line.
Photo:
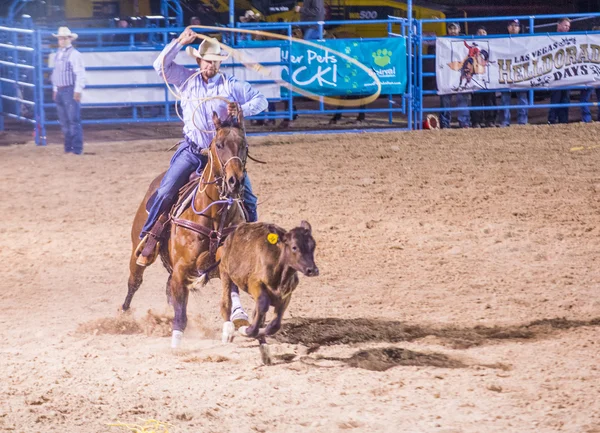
{"points": [[198, 115], [69, 69]]}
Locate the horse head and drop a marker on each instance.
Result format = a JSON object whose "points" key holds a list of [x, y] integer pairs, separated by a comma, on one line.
{"points": [[229, 150]]}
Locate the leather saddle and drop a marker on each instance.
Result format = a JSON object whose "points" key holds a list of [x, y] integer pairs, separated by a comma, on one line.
{"points": [[184, 194]]}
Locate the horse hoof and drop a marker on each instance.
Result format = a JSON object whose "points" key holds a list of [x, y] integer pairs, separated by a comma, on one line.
{"points": [[176, 339], [265, 354], [228, 332]]}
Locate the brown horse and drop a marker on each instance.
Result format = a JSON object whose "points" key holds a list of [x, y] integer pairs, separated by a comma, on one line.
{"points": [[190, 242]]}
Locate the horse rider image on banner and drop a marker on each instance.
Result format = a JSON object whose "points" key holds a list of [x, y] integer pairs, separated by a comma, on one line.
{"points": [[68, 82], [201, 96]]}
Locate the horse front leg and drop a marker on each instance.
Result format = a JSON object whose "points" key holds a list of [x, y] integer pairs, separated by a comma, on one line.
{"points": [[136, 274], [228, 326], [179, 300]]}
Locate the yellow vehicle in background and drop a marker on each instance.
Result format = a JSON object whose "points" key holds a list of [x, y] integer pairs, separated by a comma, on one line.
{"points": [[52, 12], [342, 10]]}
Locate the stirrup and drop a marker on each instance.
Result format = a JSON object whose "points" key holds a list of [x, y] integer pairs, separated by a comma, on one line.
{"points": [[145, 257]]}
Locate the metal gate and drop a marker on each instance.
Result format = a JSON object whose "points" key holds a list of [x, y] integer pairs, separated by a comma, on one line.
{"points": [[21, 79]]}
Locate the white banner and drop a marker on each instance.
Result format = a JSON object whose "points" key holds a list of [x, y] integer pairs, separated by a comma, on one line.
{"points": [[149, 76], [523, 62]]}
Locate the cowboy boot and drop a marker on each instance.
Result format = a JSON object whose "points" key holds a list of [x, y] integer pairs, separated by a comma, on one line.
{"points": [[149, 246], [147, 251]]}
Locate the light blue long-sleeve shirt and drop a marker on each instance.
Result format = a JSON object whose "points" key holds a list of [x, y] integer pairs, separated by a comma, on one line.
{"points": [[251, 101], [68, 69]]}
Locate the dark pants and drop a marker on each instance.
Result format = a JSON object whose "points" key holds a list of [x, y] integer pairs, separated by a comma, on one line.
{"points": [[311, 33], [584, 97], [522, 113], [184, 163], [338, 116], [462, 100], [483, 99], [69, 116], [559, 115]]}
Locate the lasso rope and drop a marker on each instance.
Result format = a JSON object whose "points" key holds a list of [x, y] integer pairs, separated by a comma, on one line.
{"points": [[266, 73], [256, 66]]}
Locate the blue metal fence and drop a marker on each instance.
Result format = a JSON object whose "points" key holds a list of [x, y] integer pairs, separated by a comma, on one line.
{"points": [[19, 72], [547, 21], [403, 107], [25, 90]]}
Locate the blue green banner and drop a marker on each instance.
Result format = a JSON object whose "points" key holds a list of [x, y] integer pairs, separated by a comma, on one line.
{"points": [[322, 72]]}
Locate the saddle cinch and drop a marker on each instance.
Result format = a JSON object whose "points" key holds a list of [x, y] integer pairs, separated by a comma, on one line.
{"points": [[149, 247]]}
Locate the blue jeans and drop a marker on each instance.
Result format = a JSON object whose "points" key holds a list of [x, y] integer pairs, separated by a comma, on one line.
{"points": [[559, 115], [521, 112], [69, 116], [311, 33], [584, 97], [184, 163], [462, 100]]}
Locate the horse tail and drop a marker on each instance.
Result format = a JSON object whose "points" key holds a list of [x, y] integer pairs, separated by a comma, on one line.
{"points": [[204, 276]]}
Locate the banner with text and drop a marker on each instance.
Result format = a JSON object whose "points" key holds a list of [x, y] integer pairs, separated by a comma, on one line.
{"points": [[325, 73], [147, 75], [467, 65]]}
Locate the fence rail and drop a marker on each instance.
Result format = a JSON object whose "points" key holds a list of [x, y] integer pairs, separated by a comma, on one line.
{"points": [[26, 90]]}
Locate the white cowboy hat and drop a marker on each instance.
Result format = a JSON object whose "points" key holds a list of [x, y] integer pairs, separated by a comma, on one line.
{"points": [[65, 32], [249, 15], [209, 49]]}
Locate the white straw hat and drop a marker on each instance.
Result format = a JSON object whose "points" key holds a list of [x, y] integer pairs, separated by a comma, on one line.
{"points": [[249, 15], [209, 49], [65, 32]]}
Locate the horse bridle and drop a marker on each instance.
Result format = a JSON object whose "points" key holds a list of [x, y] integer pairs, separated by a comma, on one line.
{"points": [[220, 180]]}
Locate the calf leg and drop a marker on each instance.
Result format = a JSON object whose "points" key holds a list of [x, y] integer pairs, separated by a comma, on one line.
{"points": [[260, 311], [265, 352], [275, 324]]}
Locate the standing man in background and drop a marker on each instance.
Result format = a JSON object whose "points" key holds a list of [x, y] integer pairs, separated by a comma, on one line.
{"points": [[586, 94], [560, 115], [483, 118], [514, 27], [68, 81], [462, 99], [311, 10]]}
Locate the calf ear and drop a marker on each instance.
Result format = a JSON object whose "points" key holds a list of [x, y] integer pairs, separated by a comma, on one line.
{"points": [[306, 226], [216, 120]]}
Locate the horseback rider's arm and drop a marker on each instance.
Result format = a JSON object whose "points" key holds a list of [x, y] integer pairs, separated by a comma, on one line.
{"points": [[251, 100], [173, 73]]}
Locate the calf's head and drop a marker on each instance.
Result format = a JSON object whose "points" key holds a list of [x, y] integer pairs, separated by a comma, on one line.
{"points": [[300, 250]]}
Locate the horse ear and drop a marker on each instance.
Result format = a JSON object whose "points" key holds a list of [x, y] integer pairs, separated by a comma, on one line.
{"points": [[306, 226], [216, 120]]}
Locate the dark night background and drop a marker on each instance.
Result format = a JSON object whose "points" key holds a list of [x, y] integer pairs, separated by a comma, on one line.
{"points": [[456, 8]]}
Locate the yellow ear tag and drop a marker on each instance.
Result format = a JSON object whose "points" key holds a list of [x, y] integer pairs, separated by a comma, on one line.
{"points": [[272, 238]]}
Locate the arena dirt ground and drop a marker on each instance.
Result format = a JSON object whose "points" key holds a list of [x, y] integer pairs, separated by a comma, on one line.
{"points": [[459, 289]]}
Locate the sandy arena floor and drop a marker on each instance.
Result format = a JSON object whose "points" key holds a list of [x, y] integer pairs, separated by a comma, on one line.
{"points": [[459, 290]]}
